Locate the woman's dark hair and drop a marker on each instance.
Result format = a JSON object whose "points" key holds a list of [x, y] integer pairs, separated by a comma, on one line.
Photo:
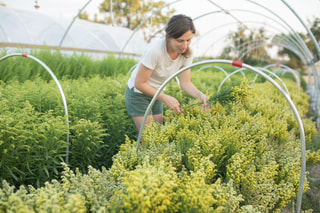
{"points": [[179, 25]]}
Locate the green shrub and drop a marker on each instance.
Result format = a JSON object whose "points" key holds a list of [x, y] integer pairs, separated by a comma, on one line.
{"points": [[32, 145], [242, 156], [63, 66]]}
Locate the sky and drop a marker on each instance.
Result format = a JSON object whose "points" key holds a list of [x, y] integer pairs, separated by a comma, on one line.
{"points": [[213, 27]]}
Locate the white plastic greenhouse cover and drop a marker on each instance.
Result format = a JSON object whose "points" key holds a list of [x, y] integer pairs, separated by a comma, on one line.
{"points": [[20, 28]]}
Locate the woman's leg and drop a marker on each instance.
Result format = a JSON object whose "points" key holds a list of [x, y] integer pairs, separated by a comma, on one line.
{"points": [[158, 118], [138, 120]]}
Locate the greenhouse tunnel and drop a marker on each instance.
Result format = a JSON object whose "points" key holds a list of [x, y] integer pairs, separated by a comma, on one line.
{"points": [[28, 30]]}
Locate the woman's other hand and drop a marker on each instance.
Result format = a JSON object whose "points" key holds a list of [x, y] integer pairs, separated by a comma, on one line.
{"points": [[204, 99]]}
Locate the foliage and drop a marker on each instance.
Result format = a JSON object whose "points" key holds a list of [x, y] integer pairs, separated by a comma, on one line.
{"points": [[242, 156], [32, 145], [93, 109], [63, 66]]}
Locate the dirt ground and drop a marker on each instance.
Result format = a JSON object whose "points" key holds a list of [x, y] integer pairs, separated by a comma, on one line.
{"points": [[312, 196]]}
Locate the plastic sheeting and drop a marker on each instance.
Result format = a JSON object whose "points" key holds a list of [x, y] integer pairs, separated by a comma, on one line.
{"points": [[21, 28]]}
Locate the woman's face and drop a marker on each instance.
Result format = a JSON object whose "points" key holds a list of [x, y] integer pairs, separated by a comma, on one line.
{"points": [[181, 44]]}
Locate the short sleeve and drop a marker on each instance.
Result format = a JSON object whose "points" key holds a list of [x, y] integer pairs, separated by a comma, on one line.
{"points": [[151, 56], [188, 61]]}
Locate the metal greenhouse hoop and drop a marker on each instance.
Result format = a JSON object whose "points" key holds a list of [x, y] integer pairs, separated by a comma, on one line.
{"points": [[71, 23], [293, 72], [219, 68], [239, 64], [58, 85], [275, 75], [255, 78]]}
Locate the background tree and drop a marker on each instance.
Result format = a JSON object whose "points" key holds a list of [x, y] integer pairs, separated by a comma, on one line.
{"points": [[288, 56], [84, 16], [292, 59], [130, 13], [249, 45]]}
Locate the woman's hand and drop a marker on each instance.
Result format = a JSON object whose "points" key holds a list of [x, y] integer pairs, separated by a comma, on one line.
{"points": [[204, 99], [172, 103], [189, 88]]}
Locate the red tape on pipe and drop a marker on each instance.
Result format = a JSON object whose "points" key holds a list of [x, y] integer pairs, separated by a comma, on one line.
{"points": [[237, 64], [24, 55]]}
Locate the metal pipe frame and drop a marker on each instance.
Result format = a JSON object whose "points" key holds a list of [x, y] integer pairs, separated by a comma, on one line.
{"points": [[71, 23], [58, 85], [211, 66], [315, 43], [315, 92], [139, 26], [292, 71], [238, 64], [255, 78]]}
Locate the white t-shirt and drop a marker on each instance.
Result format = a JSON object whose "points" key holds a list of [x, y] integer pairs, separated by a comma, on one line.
{"points": [[156, 58]]}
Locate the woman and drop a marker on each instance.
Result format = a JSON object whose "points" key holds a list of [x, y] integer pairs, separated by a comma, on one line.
{"points": [[160, 60]]}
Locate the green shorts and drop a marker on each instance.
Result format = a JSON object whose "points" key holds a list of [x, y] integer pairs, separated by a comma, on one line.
{"points": [[137, 103]]}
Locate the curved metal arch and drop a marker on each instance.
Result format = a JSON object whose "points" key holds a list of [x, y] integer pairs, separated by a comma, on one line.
{"points": [[138, 27], [201, 16], [316, 45], [228, 13], [299, 38], [4, 33], [312, 61], [208, 32], [313, 91], [294, 72], [58, 85], [214, 66], [288, 45], [297, 78], [265, 16], [238, 64], [242, 10], [249, 42], [293, 43], [275, 75], [314, 69], [295, 75], [286, 23], [71, 23], [300, 44], [25, 27], [196, 18], [131, 69], [231, 74], [255, 78], [250, 47], [263, 24], [254, 45]]}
